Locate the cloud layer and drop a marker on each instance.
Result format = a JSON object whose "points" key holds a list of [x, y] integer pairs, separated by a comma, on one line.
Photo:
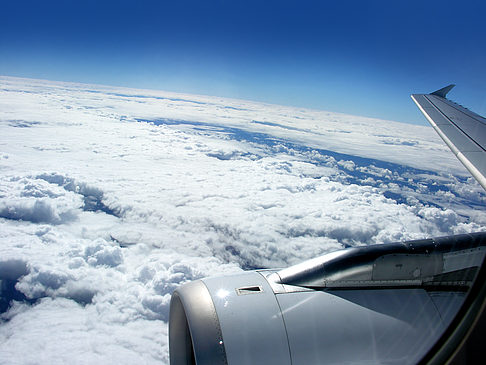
{"points": [[110, 198]]}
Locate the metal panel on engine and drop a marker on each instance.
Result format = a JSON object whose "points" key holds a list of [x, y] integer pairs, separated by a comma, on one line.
{"points": [[363, 326], [251, 322]]}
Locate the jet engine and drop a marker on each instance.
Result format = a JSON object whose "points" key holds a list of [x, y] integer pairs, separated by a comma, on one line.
{"points": [[385, 303]]}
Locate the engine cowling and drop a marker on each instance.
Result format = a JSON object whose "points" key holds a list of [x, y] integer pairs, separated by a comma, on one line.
{"points": [[376, 304]]}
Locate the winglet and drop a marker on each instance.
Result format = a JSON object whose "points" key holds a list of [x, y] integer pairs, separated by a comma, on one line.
{"points": [[443, 92]]}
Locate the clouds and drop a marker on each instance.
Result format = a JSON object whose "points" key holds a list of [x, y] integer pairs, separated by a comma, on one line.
{"points": [[79, 335], [33, 200], [114, 197]]}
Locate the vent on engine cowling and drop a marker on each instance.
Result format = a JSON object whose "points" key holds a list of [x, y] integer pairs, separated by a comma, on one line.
{"points": [[249, 290]]}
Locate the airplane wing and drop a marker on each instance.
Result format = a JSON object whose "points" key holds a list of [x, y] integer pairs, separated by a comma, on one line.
{"points": [[461, 129]]}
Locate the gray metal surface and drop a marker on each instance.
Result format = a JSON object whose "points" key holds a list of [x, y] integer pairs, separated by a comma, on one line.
{"points": [[253, 329], [301, 315], [194, 328], [413, 263], [447, 304], [470, 123], [461, 129], [392, 326]]}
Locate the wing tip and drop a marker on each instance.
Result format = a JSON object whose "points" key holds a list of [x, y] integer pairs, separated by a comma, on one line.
{"points": [[444, 91]]}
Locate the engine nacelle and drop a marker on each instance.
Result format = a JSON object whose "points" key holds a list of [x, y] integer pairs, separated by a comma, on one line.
{"points": [[391, 308]]}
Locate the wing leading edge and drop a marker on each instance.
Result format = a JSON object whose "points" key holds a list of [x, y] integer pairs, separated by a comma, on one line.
{"points": [[461, 129]]}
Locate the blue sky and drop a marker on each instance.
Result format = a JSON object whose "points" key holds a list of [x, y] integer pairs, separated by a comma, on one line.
{"points": [[358, 57]]}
